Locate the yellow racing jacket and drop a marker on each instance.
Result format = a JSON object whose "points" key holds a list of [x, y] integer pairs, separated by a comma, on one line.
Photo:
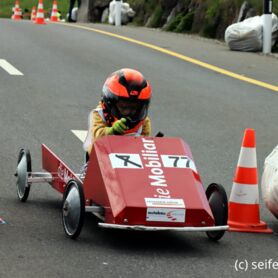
{"points": [[98, 127]]}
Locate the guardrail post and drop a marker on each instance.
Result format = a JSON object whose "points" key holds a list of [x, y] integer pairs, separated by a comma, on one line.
{"points": [[267, 26]]}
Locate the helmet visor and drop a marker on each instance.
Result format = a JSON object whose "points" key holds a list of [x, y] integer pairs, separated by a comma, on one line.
{"points": [[133, 111]]}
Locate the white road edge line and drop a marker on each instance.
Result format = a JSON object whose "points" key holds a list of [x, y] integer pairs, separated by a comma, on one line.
{"points": [[9, 68], [80, 134]]}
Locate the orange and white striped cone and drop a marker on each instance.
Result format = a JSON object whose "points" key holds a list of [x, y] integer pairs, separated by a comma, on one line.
{"points": [[40, 14], [17, 12], [244, 209], [33, 14], [54, 12]]}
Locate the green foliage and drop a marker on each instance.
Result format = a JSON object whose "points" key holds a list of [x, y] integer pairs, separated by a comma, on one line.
{"points": [[156, 17], [257, 4], [136, 3], [211, 17], [185, 24], [175, 21], [138, 20], [209, 31], [237, 3], [148, 5], [145, 9], [6, 6], [151, 5], [181, 23], [213, 9]]}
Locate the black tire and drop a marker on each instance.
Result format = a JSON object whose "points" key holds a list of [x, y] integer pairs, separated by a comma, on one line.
{"points": [[73, 211], [218, 202], [23, 170]]}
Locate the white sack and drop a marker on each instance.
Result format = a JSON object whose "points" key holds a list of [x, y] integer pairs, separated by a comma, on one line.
{"points": [[270, 182], [248, 34]]}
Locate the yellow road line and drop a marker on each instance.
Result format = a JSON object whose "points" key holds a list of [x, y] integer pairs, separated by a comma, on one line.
{"points": [[180, 56]]}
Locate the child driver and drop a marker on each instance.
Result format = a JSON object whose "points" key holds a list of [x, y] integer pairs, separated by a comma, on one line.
{"points": [[123, 109]]}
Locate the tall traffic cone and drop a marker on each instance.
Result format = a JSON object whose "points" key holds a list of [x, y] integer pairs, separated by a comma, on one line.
{"points": [[40, 14], [54, 12], [17, 12], [33, 14], [244, 209]]}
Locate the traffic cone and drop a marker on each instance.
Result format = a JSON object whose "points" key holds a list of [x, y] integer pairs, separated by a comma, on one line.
{"points": [[40, 14], [244, 209], [17, 12], [54, 12], [33, 14]]}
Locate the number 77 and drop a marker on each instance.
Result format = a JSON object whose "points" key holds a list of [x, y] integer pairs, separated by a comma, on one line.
{"points": [[180, 158]]}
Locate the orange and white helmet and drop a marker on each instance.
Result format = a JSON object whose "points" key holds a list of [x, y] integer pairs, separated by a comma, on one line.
{"points": [[130, 86]]}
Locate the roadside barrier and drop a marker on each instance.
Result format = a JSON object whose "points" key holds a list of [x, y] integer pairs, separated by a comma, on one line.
{"points": [[244, 208]]}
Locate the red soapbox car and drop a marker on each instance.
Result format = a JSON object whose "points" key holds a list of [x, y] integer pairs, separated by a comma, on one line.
{"points": [[136, 183]]}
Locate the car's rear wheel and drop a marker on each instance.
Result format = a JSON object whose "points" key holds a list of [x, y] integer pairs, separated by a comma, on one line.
{"points": [[217, 199]]}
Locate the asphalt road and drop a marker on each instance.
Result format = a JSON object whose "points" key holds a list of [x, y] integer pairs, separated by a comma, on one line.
{"points": [[64, 69]]}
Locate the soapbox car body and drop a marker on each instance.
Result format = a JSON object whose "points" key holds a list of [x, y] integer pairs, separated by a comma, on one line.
{"points": [[136, 183]]}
